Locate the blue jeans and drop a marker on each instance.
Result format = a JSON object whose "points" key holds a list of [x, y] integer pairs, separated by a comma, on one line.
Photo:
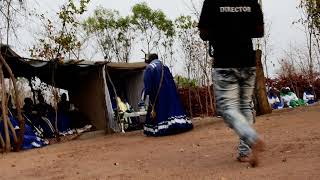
{"points": [[233, 90]]}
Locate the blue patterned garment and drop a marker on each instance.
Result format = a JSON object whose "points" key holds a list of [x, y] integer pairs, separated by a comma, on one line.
{"points": [[31, 140], [171, 117]]}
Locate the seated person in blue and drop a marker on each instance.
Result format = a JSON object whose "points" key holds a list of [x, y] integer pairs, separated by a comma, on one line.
{"points": [[308, 95], [69, 117], [165, 113], [64, 116]]}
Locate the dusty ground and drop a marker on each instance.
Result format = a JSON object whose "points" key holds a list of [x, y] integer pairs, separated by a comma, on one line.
{"points": [[207, 152]]}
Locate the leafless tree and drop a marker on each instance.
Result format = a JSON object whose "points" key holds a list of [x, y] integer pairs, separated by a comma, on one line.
{"points": [[8, 10], [310, 21]]}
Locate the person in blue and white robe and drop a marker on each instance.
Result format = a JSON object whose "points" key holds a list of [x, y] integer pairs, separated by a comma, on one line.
{"points": [[308, 96], [170, 115], [273, 99]]}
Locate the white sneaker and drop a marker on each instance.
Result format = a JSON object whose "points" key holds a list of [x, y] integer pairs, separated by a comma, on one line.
{"points": [[63, 133], [46, 142], [88, 126], [80, 131], [70, 132], [35, 144], [38, 139]]}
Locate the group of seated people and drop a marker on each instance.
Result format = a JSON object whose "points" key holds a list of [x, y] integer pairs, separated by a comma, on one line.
{"points": [[31, 136], [40, 121], [285, 98], [31, 139], [42, 116]]}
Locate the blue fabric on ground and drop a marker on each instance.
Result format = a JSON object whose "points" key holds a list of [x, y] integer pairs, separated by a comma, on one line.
{"points": [[29, 135]]}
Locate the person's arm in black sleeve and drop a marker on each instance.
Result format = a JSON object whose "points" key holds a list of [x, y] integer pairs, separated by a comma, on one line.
{"points": [[259, 23], [204, 22]]}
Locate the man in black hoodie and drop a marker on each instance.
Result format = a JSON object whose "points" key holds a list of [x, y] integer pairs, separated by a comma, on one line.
{"points": [[229, 26]]}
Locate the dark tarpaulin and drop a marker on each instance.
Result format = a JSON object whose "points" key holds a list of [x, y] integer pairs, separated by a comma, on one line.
{"points": [[85, 81], [137, 66], [62, 75]]}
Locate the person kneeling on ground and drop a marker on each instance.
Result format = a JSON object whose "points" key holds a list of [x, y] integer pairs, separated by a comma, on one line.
{"points": [[290, 99], [274, 100], [308, 95]]}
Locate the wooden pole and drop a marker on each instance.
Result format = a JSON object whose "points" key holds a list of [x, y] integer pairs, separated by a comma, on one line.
{"points": [[207, 109], [3, 145], [4, 112], [32, 90], [18, 103], [56, 97], [54, 91], [190, 102], [15, 138]]}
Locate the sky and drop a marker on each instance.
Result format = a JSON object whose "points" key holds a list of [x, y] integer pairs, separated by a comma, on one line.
{"points": [[280, 14]]}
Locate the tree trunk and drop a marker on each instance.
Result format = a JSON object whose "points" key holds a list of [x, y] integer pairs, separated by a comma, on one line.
{"points": [[2, 143], [262, 105], [212, 99], [4, 112], [207, 109], [32, 90], [56, 98]]}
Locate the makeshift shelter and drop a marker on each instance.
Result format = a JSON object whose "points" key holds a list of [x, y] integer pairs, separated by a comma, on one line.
{"points": [[86, 81]]}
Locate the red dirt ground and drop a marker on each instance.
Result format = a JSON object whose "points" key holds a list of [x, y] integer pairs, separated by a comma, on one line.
{"points": [[207, 152]]}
